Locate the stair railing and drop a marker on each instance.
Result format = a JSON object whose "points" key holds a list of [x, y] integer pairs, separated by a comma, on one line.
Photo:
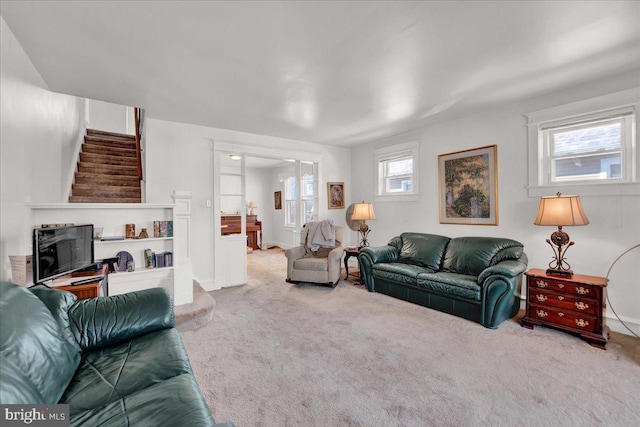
{"points": [[136, 115]]}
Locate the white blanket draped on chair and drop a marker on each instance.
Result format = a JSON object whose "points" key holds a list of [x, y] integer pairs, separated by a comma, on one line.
{"points": [[318, 234]]}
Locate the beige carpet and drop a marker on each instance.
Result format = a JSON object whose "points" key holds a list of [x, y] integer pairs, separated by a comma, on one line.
{"points": [[277, 354]]}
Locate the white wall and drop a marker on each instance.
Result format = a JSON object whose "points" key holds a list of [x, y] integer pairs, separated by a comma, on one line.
{"points": [[614, 223], [39, 133], [110, 117], [179, 156], [259, 192]]}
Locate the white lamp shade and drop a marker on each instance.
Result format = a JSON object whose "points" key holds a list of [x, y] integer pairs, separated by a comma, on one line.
{"points": [[363, 211], [561, 210]]}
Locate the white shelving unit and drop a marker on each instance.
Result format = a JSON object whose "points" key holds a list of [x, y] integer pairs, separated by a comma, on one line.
{"points": [[178, 279]]}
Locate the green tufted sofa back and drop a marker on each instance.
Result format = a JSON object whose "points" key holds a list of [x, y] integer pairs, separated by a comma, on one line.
{"points": [[38, 359]]}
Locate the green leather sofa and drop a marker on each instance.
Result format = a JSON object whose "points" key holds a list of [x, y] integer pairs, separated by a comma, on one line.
{"points": [[472, 277], [116, 361]]}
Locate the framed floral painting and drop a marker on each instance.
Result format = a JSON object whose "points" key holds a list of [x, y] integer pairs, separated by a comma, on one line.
{"points": [[335, 195], [468, 186]]}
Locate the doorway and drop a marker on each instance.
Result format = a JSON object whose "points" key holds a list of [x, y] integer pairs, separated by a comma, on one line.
{"points": [[246, 215]]}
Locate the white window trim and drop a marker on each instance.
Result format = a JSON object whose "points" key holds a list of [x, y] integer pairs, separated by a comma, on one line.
{"points": [[286, 201], [386, 153], [628, 100]]}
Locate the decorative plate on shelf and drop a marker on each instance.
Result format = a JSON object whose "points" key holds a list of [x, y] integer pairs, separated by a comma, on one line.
{"points": [[125, 261]]}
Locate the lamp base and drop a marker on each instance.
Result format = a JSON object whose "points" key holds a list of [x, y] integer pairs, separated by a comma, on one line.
{"points": [[556, 272]]}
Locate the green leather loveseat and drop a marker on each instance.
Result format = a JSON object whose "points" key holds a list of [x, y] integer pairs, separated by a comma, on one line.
{"points": [[116, 361], [472, 277]]}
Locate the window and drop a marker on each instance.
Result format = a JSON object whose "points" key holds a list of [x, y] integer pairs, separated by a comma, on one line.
{"points": [[586, 147], [306, 200], [397, 176], [587, 151]]}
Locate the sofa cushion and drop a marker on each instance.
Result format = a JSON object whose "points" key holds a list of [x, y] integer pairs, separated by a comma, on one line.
{"points": [[404, 273], [112, 373], [471, 255], [312, 264], [425, 250], [32, 339], [16, 387], [176, 401], [58, 302], [452, 284]]}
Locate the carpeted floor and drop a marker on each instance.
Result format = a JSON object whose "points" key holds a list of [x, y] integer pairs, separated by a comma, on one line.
{"points": [[278, 354]]}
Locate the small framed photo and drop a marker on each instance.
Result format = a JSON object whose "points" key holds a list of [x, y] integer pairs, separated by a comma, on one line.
{"points": [[277, 199], [468, 186], [335, 195]]}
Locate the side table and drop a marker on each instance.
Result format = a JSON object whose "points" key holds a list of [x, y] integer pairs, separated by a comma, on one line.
{"points": [[574, 304], [348, 253]]}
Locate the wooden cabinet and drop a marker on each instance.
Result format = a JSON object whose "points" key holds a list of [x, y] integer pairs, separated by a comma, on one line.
{"points": [[574, 304], [98, 288]]}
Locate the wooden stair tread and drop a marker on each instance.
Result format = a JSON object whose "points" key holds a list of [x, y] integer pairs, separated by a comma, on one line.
{"points": [[124, 180], [109, 142], [110, 134], [89, 147], [104, 191], [83, 199], [107, 169], [106, 159]]}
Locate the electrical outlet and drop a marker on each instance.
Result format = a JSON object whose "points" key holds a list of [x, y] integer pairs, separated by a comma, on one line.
{"points": [[208, 203]]}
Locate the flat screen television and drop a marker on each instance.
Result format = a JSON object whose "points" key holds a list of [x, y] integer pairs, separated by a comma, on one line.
{"points": [[61, 250]]}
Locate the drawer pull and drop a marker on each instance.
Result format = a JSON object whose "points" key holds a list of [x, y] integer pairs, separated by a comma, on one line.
{"points": [[560, 297], [541, 283], [541, 313], [582, 323], [581, 306], [560, 285], [541, 298], [582, 291], [560, 314]]}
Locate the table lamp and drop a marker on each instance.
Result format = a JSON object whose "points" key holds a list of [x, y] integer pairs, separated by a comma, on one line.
{"points": [[560, 211], [252, 206], [362, 212]]}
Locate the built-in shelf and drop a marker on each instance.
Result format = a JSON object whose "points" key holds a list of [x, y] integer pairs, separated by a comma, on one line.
{"points": [[142, 270], [148, 239], [113, 217]]}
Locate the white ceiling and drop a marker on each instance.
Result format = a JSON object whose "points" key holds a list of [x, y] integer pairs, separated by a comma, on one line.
{"points": [[336, 73]]}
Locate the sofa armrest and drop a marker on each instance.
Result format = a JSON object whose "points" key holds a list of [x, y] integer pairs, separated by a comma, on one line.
{"points": [[335, 264], [508, 268], [369, 256], [380, 254], [292, 255], [100, 322]]}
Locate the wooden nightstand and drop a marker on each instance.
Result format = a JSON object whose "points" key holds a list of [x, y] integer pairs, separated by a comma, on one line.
{"points": [[574, 304]]}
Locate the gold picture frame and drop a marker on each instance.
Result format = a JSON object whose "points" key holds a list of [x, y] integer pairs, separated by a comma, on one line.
{"points": [[468, 186], [335, 195]]}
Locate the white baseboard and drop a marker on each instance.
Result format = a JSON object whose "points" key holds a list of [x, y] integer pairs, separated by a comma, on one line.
{"points": [[614, 324]]}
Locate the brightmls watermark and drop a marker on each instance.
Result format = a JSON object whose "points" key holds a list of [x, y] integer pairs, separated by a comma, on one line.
{"points": [[34, 415]]}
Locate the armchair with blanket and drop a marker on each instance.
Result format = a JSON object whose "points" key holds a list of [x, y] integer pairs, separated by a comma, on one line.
{"points": [[318, 258]]}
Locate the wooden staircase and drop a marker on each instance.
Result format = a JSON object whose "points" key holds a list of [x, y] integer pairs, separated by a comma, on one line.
{"points": [[107, 170]]}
